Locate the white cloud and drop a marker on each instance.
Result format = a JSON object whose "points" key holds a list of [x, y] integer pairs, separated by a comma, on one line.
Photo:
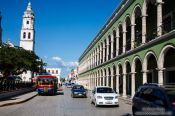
{"points": [[58, 62], [56, 58], [63, 64]]}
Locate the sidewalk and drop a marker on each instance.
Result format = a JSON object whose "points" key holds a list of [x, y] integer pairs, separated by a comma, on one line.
{"points": [[18, 99]]}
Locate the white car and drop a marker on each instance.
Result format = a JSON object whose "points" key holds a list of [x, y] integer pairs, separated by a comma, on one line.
{"points": [[104, 95]]}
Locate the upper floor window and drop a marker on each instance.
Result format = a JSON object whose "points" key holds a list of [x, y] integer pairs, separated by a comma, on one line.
{"points": [[27, 22], [29, 35], [24, 35], [52, 71], [56, 71]]}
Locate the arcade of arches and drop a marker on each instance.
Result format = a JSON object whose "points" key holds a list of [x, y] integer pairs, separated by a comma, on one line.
{"points": [[137, 48]]}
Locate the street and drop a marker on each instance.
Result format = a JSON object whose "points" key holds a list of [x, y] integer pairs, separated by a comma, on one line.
{"points": [[63, 105]]}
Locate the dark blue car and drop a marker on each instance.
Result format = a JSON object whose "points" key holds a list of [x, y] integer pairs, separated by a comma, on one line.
{"points": [[151, 99], [78, 91]]}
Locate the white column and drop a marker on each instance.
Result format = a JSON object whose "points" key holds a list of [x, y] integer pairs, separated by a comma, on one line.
{"points": [[93, 59], [107, 58], [144, 76], [103, 80], [117, 82], [144, 15], [117, 45], [159, 17], [112, 76], [124, 85], [95, 80], [112, 45], [133, 83], [107, 79], [124, 38], [160, 76], [104, 52], [97, 56], [100, 55], [132, 36], [143, 29], [90, 82]]}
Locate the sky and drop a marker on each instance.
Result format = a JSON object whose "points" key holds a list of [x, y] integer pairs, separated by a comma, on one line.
{"points": [[63, 28]]}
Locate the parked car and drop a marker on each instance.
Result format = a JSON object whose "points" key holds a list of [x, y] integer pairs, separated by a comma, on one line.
{"points": [[69, 85], [78, 91], [152, 99], [104, 95]]}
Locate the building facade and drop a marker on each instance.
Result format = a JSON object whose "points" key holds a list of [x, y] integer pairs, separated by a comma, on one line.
{"points": [[135, 46], [54, 72], [27, 37]]}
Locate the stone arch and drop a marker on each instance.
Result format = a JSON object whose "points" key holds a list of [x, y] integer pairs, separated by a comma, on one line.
{"points": [[127, 71], [150, 67], [120, 45], [151, 19], [137, 70], [109, 47], [128, 32], [137, 23], [114, 32], [166, 64], [162, 55]]}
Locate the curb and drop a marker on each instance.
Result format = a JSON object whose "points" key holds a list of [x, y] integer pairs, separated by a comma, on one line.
{"points": [[20, 101], [126, 100]]}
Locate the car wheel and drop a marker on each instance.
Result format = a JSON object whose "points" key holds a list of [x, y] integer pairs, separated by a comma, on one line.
{"points": [[72, 95], [134, 111], [96, 105], [91, 101]]}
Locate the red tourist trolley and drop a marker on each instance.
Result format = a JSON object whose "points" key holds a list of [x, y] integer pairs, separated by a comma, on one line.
{"points": [[47, 84]]}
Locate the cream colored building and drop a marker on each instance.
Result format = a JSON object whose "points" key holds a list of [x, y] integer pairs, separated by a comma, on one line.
{"points": [[54, 72]]}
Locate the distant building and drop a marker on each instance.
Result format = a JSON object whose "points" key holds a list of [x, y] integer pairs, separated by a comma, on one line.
{"points": [[54, 72], [73, 76]]}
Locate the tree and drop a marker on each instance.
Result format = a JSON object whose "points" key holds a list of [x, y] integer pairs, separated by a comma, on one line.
{"points": [[16, 60]]}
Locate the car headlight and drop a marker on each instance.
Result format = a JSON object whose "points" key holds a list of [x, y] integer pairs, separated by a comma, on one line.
{"points": [[116, 97], [84, 92], [99, 97]]}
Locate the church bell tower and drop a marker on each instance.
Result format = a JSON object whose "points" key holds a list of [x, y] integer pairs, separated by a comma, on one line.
{"points": [[27, 38]]}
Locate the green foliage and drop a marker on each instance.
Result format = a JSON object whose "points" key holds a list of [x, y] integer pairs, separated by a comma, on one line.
{"points": [[15, 61]]}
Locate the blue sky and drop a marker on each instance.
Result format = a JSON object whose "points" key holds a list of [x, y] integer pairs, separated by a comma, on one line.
{"points": [[64, 28]]}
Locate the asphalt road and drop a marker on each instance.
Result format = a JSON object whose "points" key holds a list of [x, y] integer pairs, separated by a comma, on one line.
{"points": [[63, 105]]}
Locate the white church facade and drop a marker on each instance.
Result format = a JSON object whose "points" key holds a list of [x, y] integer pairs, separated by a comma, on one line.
{"points": [[27, 36]]}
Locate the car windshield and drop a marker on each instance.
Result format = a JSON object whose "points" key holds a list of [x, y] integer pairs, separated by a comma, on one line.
{"points": [[78, 87], [171, 96], [105, 90]]}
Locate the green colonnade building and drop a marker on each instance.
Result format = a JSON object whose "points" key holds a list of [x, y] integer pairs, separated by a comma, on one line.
{"points": [[135, 46]]}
